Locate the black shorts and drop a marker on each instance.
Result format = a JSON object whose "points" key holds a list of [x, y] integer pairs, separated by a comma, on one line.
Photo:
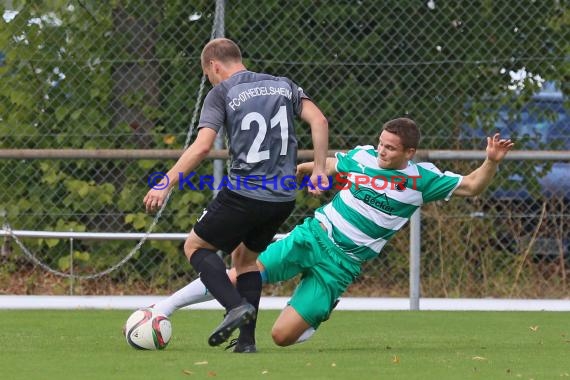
{"points": [[231, 219]]}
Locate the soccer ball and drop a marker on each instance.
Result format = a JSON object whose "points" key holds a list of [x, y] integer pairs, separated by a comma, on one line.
{"points": [[147, 329]]}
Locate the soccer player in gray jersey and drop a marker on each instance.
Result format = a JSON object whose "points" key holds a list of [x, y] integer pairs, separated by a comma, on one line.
{"points": [[383, 189], [257, 112]]}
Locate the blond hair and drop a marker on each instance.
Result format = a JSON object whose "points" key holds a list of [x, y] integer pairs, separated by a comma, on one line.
{"points": [[220, 49]]}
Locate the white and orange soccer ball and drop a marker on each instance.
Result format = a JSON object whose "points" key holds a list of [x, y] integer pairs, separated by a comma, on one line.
{"points": [[147, 329]]}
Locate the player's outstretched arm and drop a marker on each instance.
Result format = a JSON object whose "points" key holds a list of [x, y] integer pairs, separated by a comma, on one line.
{"points": [[191, 157], [306, 168], [478, 180]]}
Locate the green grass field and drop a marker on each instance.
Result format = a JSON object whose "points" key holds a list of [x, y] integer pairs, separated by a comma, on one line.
{"points": [[351, 345]]}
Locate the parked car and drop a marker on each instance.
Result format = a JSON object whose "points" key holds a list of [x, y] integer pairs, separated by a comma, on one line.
{"points": [[542, 123]]}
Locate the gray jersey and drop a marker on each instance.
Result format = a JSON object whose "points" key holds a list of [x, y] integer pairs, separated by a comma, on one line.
{"points": [[258, 113]]}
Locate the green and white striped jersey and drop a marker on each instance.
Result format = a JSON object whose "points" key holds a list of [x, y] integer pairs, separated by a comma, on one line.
{"points": [[376, 202]]}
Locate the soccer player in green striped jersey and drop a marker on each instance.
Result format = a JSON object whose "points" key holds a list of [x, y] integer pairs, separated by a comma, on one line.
{"points": [[382, 189]]}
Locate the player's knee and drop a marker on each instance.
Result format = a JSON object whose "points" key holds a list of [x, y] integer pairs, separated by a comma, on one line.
{"points": [[238, 256], [189, 248], [282, 337], [245, 260]]}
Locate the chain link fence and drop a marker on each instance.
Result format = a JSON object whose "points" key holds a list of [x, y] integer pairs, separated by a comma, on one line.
{"points": [[126, 75]]}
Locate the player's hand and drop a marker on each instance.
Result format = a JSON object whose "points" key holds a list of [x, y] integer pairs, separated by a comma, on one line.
{"points": [[497, 148], [319, 182], [154, 199]]}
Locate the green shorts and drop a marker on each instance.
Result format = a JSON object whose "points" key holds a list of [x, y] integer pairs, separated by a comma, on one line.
{"points": [[326, 270]]}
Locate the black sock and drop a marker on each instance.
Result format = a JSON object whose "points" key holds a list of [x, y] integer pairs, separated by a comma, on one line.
{"points": [[213, 274], [249, 287]]}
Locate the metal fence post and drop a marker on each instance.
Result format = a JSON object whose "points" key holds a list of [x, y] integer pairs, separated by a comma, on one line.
{"points": [[71, 279], [415, 249], [219, 31]]}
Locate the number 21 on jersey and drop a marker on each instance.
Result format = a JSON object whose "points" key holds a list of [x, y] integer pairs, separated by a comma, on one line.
{"points": [[280, 118]]}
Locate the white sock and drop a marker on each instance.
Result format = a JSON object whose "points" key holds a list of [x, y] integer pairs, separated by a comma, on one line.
{"points": [[306, 335], [194, 292]]}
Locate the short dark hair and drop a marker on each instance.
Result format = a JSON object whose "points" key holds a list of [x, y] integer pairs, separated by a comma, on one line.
{"points": [[221, 49], [407, 130]]}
